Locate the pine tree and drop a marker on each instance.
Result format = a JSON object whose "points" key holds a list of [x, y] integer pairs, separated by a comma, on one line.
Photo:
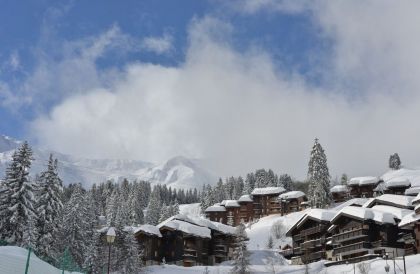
{"points": [[48, 208], [318, 177], [154, 208], [394, 161], [249, 184], [271, 178], [95, 256], [17, 201], [344, 179], [165, 213], [286, 182], [131, 261], [111, 208], [241, 254], [77, 224], [261, 178]]}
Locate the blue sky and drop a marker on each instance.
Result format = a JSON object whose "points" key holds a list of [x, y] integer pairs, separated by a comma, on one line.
{"points": [[28, 27], [244, 84]]}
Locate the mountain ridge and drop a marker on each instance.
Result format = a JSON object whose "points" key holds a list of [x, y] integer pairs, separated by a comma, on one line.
{"points": [[177, 172]]}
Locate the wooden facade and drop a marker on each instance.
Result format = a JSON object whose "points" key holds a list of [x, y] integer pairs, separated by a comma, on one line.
{"points": [[340, 193], [186, 242], [265, 201], [309, 237], [292, 201], [363, 187], [355, 239], [246, 211]]}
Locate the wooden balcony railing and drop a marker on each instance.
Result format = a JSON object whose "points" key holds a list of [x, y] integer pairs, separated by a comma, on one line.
{"points": [[312, 230], [352, 247], [350, 235], [312, 243], [313, 256]]}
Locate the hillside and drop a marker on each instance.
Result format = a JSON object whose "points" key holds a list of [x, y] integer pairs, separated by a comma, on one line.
{"points": [[13, 260], [178, 172]]}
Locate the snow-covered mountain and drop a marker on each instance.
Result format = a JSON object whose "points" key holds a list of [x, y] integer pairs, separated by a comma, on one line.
{"points": [[178, 172]]}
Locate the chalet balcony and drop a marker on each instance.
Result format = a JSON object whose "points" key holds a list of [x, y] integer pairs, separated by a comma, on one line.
{"points": [[352, 248], [190, 255], [297, 250], [312, 243], [350, 235], [312, 230], [313, 256]]}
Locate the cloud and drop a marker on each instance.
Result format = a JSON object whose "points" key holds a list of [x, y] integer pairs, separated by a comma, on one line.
{"points": [[239, 111], [158, 45]]}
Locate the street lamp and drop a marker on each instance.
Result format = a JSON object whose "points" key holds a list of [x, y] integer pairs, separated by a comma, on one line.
{"points": [[110, 237], [386, 263]]}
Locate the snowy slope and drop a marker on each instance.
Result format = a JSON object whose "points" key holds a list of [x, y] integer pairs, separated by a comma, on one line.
{"points": [[13, 260], [178, 172]]}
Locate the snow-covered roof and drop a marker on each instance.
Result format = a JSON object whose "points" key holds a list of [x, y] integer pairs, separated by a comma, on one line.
{"points": [[412, 191], [245, 198], [231, 203], [397, 212], [187, 228], [362, 213], [215, 208], [409, 219], [197, 221], [398, 182], [416, 200], [367, 180], [316, 214], [148, 229], [292, 195], [339, 189], [268, 190], [381, 187], [391, 199]]}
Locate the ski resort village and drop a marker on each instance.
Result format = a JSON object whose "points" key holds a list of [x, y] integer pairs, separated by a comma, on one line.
{"points": [[209, 137], [265, 223]]}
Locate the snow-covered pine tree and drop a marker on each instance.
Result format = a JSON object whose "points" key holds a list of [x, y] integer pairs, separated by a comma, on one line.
{"points": [[394, 161], [318, 177], [241, 254], [261, 178], [238, 188], [165, 212], [76, 225], [111, 208], [154, 208], [249, 184], [272, 179], [96, 256], [48, 208], [17, 203], [175, 208], [135, 207], [131, 262], [344, 179], [286, 182]]}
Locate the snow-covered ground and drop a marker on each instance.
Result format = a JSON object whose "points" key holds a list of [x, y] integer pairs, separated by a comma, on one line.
{"points": [[13, 261]]}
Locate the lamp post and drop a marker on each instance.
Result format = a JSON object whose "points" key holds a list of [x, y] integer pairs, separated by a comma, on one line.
{"points": [[386, 263], [110, 237]]}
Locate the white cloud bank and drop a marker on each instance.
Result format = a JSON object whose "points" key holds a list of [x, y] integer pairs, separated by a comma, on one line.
{"points": [[237, 110]]}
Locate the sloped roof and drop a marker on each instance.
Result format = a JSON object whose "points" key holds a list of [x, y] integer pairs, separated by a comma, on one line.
{"points": [[339, 189], [292, 195], [362, 213], [315, 214], [409, 219], [367, 180], [268, 190], [187, 228], [416, 200], [215, 208], [392, 199], [245, 198], [231, 203], [412, 191], [398, 182], [399, 213], [148, 229]]}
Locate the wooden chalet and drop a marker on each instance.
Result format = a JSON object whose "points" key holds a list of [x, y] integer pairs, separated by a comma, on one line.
{"points": [[292, 202], [396, 186], [232, 212], [309, 236], [216, 213], [149, 238], [363, 187], [246, 211], [265, 201], [361, 233], [411, 224], [339, 193], [186, 241]]}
